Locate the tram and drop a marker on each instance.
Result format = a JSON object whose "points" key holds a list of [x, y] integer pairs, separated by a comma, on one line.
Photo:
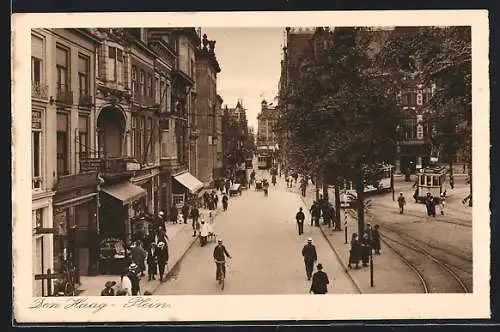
{"points": [[264, 161], [430, 180]]}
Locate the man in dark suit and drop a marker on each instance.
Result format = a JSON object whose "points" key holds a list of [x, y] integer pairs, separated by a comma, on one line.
{"points": [[152, 261], [320, 281], [310, 256], [300, 217]]}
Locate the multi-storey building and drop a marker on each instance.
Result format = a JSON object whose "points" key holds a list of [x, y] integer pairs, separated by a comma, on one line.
{"points": [[266, 127], [206, 116], [219, 160], [64, 198], [234, 134]]}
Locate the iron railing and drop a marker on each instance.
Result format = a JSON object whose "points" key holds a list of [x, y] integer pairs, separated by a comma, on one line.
{"points": [[64, 95], [39, 90]]}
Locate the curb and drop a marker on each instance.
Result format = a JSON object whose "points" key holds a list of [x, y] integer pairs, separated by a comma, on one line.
{"points": [[174, 265], [346, 270]]}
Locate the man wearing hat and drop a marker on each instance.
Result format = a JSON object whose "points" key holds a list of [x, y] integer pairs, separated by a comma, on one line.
{"points": [[108, 289], [310, 256], [152, 261], [320, 281], [162, 258], [130, 281], [300, 217]]}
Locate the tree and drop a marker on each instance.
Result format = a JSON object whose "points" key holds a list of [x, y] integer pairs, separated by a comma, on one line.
{"points": [[341, 114], [439, 56]]}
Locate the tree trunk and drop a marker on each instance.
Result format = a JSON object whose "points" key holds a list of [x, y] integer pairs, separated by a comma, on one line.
{"points": [[325, 191], [337, 206], [360, 200], [452, 179], [470, 185], [317, 187]]}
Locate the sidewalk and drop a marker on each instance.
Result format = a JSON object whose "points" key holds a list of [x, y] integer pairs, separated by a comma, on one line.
{"points": [[388, 268], [180, 241]]}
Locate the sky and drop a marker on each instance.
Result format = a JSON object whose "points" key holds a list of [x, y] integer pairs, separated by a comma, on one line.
{"points": [[250, 66]]}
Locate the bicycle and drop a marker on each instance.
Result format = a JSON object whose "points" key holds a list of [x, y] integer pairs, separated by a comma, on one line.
{"points": [[221, 275]]}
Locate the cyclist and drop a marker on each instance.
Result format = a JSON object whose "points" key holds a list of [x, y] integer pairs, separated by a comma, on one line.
{"points": [[220, 253]]}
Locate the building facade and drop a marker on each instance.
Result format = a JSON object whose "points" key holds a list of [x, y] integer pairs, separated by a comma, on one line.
{"points": [[206, 117], [234, 134], [64, 197], [266, 127]]}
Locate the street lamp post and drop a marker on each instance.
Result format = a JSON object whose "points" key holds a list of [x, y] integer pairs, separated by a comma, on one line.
{"points": [[370, 239]]}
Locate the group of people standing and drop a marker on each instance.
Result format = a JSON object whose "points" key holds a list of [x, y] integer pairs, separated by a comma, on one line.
{"points": [[322, 209], [362, 246]]}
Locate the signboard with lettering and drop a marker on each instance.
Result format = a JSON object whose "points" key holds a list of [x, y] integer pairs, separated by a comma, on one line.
{"points": [[36, 120], [77, 180]]}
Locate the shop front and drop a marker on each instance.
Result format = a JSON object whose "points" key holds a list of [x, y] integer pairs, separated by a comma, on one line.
{"points": [[122, 204], [42, 241], [185, 188], [75, 218]]}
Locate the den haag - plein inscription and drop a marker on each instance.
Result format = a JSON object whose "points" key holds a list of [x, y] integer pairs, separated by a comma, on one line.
{"points": [[93, 306]]}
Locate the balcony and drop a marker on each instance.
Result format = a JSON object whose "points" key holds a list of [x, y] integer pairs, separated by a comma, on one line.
{"points": [[84, 99], [36, 183], [64, 95], [39, 90], [95, 161]]}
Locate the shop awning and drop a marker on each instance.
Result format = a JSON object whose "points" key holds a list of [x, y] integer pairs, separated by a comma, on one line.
{"points": [[126, 192], [189, 181]]}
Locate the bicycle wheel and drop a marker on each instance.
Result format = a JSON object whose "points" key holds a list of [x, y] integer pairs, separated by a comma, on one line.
{"points": [[222, 282]]}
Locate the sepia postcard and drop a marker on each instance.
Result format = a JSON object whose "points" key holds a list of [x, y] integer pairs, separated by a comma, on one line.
{"points": [[257, 166]]}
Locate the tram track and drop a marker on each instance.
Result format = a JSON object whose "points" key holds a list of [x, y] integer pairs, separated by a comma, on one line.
{"points": [[435, 275]]}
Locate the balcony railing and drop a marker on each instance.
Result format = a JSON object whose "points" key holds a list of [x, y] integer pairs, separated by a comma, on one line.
{"points": [[39, 90], [84, 99], [64, 95], [96, 161]]}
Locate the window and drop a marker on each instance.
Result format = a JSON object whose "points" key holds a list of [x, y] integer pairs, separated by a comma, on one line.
{"points": [[83, 134], [62, 144], [134, 80], [422, 180], [37, 56], [192, 69], [83, 74], [36, 151], [133, 138], [420, 98], [429, 180], [149, 142], [435, 181], [149, 86], [163, 95], [142, 87], [115, 64], [157, 90], [62, 66]]}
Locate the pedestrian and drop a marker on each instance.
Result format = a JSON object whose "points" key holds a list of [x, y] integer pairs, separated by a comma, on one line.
{"points": [[430, 205], [131, 281], [376, 240], [216, 199], [152, 261], [206, 197], [162, 258], [161, 236], [320, 281], [300, 217], [442, 200], [196, 228], [310, 256], [139, 256], [354, 253], [316, 214], [365, 249], [185, 212], [174, 214], [228, 186], [195, 214], [290, 181], [401, 203], [327, 217], [225, 200], [312, 210], [286, 180], [204, 232], [108, 289]]}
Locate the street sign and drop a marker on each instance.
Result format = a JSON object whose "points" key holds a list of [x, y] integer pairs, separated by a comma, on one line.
{"points": [[49, 276]]}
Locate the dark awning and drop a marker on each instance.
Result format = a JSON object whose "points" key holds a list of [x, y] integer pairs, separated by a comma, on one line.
{"points": [[126, 192]]}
